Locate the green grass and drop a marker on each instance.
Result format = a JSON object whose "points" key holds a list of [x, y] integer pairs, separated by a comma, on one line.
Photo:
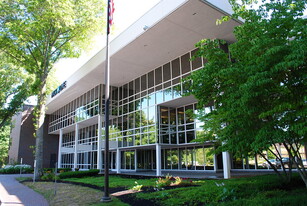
{"points": [[68, 194], [114, 181], [250, 191], [261, 190]]}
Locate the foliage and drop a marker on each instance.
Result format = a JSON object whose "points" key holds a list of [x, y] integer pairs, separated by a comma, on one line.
{"points": [[58, 170], [239, 191], [4, 144], [259, 94], [137, 186], [78, 174], [49, 177], [15, 170], [163, 182], [182, 182], [14, 83], [36, 34]]}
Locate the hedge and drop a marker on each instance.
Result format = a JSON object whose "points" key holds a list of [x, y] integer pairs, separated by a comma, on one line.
{"points": [[78, 174], [14, 170]]}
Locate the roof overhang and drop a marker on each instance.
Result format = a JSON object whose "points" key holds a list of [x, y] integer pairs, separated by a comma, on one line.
{"points": [[173, 29]]}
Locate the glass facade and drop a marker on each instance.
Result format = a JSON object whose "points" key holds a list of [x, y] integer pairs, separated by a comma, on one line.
{"points": [[137, 120]]}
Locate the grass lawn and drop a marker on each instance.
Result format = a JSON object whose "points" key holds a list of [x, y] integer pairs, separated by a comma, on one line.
{"points": [[115, 181], [255, 191], [69, 194], [259, 190]]}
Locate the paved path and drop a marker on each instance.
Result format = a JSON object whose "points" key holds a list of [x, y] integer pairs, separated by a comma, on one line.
{"points": [[12, 193]]}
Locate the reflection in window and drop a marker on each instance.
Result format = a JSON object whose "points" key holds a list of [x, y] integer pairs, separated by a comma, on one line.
{"points": [[159, 97], [168, 95]]}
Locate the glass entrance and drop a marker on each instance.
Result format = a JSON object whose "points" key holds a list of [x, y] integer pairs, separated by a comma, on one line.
{"points": [[146, 159]]}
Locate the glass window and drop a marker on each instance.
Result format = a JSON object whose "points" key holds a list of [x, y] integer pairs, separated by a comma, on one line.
{"points": [[115, 93], [151, 78], [190, 136], [131, 88], [164, 115], [180, 115], [175, 68], [125, 90], [152, 99], [159, 97], [167, 84], [196, 63], [143, 83], [174, 158], [182, 158], [189, 116], [173, 138], [137, 85], [158, 76], [168, 158], [181, 137], [152, 115], [185, 63], [166, 72], [144, 102], [137, 104], [165, 139]]}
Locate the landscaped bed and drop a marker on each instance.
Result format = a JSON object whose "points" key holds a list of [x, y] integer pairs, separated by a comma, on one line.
{"points": [[259, 190]]}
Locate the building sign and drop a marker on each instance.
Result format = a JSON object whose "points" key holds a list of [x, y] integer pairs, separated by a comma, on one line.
{"points": [[59, 89]]}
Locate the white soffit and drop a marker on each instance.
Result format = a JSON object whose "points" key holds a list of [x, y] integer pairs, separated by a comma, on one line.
{"points": [[174, 26]]}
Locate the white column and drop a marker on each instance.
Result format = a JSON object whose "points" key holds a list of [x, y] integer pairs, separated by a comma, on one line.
{"points": [[76, 145], [158, 160], [118, 158], [99, 145], [60, 149], [226, 165], [135, 160]]}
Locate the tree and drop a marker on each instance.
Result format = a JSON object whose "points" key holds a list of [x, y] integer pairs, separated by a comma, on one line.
{"points": [[14, 91], [35, 34], [260, 93], [4, 143]]}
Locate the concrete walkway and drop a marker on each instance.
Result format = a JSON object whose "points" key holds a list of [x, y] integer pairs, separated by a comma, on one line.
{"points": [[12, 193]]}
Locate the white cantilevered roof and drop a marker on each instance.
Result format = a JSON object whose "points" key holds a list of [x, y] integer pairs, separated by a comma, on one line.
{"points": [[174, 26]]}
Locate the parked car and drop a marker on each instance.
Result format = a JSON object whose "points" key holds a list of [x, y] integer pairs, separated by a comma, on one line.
{"points": [[23, 166], [273, 162], [8, 166]]}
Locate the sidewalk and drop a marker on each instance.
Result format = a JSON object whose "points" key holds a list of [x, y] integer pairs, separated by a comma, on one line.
{"points": [[12, 193]]}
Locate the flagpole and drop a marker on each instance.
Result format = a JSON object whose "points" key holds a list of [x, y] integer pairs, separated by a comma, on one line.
{"points": [[106, 197]]}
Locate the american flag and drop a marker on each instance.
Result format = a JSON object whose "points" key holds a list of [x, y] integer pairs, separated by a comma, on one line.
{"points": [[110, 14]]}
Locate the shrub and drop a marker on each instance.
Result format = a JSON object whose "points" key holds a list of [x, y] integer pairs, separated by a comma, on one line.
{"points": [[78, 174], [164, 182], [64, 170], [137, 187], [49, 177], [15, 170]]}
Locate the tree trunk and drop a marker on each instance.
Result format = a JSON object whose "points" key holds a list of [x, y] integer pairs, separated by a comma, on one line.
{"points": [[40, 116]]}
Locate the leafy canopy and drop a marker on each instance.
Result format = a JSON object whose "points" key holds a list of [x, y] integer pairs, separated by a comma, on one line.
{"points": [[37, 33], [260, 94], [14, 91]]}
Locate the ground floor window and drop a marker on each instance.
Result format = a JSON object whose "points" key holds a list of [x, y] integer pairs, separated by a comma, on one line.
{"points": [[128, 160], [187, 158]]}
